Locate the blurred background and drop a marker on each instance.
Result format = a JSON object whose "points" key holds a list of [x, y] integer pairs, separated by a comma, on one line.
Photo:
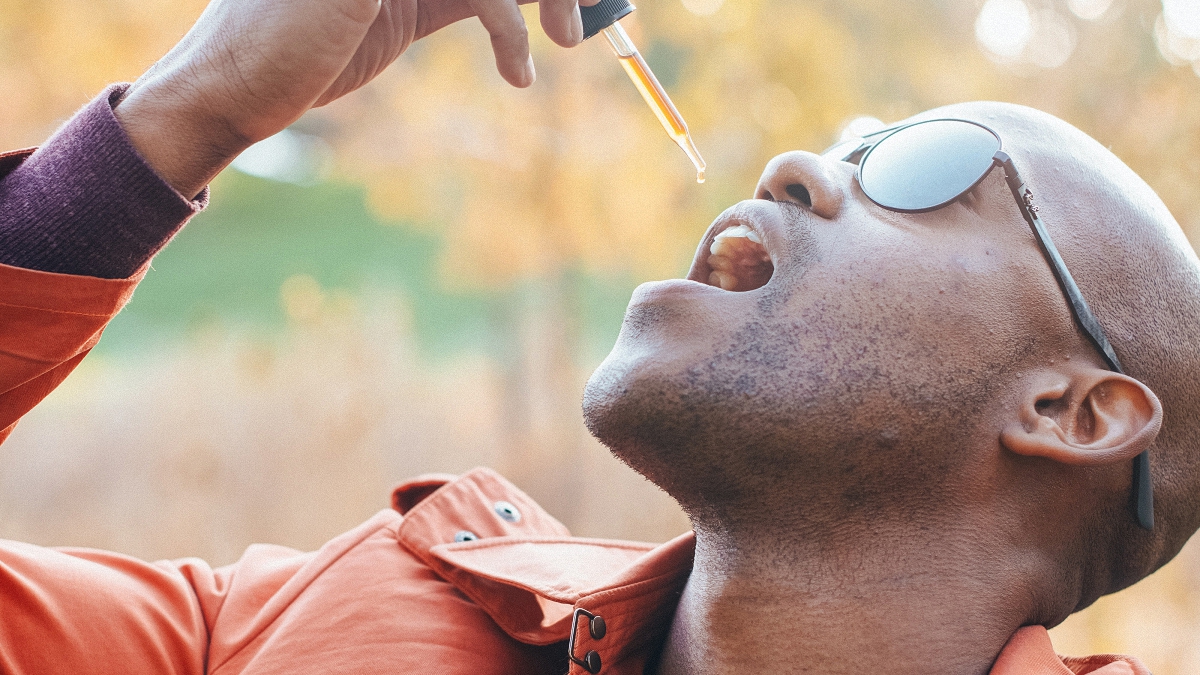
{"points": [[421, 276]]}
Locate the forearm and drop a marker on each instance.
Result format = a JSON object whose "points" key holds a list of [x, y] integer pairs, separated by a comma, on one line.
{"points": [[87, 203]]}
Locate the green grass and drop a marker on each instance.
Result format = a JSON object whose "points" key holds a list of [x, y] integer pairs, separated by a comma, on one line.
{"points": [[228, 264]]}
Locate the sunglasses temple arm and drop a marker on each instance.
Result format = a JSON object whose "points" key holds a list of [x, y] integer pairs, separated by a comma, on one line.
{"points": [[1143, 493], [1079, 307]]}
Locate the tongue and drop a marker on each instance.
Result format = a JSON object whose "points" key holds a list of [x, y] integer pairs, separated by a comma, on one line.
{"points": [[739, 262]]}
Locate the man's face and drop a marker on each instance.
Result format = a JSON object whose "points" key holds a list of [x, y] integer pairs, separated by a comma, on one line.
{"points": [[878, 339]]}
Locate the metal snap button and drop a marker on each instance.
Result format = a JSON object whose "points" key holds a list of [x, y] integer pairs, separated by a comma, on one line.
{"points": [[507, 512], [591, 662], [464, 535], [597, 627]]}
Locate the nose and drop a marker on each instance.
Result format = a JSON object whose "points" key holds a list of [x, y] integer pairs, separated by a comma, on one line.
{"points": [[804, 179]]}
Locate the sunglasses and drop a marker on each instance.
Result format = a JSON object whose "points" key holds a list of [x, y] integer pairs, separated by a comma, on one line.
{"points": [[924, 166]]}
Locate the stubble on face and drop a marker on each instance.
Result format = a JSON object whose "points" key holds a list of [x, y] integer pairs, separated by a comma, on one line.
{"points": [[840, 384]]}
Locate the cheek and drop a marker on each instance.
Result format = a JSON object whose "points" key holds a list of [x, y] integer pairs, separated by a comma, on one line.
{"points": [[905, 298]]}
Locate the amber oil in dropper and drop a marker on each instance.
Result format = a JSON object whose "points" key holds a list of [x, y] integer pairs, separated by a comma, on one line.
{"points": [[654, 94], [602, 17]]}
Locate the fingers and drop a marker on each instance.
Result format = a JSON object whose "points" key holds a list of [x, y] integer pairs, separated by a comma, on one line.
{"points": [[432, 17], [510, 39], [560, 20]]}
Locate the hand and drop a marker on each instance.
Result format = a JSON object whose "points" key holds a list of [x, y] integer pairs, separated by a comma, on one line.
{"points": [[249, 68]]}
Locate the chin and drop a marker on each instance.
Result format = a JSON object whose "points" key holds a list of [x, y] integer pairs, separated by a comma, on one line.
{"points": [[607, 394], [644, 405], [629, 405], [644, 348]]}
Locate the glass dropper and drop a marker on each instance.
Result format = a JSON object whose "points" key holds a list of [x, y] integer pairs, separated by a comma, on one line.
{"points": [[604, 18]]}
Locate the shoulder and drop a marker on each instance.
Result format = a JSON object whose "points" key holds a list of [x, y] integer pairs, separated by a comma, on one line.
{"points": [[466, 572]]}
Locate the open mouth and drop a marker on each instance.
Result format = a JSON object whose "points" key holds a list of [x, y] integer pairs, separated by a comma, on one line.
{"points": [[737, 260]]}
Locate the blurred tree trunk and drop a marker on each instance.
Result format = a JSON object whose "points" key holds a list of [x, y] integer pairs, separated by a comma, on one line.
{"points": [[541, 423]]}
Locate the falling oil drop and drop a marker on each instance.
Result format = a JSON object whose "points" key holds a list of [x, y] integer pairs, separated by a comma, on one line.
{"points": [[699, 176]]}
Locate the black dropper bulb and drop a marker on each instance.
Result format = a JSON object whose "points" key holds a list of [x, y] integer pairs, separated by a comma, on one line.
{"points": [[602, 15]]}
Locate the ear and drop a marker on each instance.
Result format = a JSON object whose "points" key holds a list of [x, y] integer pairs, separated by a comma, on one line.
{"points": [[1086, 417]]}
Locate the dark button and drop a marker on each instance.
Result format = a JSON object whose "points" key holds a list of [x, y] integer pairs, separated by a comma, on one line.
{"points": [[591, 662], [465, 535], [507, 512], [597, 627]]}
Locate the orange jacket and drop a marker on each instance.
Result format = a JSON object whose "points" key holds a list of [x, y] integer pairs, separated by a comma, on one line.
{"points": [[462, 575]]}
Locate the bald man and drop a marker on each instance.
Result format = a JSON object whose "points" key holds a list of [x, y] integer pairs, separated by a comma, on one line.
{"points": [[902, 446], [923, 396]]}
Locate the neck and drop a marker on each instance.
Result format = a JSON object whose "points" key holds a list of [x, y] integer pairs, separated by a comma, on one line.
{"points": [[903, 604]]}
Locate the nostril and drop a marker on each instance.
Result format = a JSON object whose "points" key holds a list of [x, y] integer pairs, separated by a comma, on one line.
{"points": [[806, 180], [799, 193]]}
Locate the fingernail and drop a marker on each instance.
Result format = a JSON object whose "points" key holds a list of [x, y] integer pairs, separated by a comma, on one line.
{"points": [[530, 73], [576, 25]]}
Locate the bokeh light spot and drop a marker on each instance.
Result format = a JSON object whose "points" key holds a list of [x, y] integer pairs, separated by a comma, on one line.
{"points": [[703, 7], [1182, 18], [1089, 10], [1176, 48], [1003, 28], [288, 157], [1053, 40], [301, 297]]}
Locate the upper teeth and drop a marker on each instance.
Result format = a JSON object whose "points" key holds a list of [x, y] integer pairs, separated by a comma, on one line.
{"points": [[736, 231], [739, 262]]}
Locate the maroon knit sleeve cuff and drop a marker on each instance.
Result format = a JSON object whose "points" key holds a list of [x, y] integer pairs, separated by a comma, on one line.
{"points": [[86, 203]]}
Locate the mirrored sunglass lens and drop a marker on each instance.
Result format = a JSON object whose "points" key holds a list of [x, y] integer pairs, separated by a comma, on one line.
{"points": [[927, 165]]}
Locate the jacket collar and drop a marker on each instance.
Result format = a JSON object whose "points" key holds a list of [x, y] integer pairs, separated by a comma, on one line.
{"points": [[525, 570]]}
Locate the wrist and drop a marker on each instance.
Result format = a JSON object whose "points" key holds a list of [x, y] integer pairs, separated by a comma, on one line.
{"points": [[185, 144]]}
